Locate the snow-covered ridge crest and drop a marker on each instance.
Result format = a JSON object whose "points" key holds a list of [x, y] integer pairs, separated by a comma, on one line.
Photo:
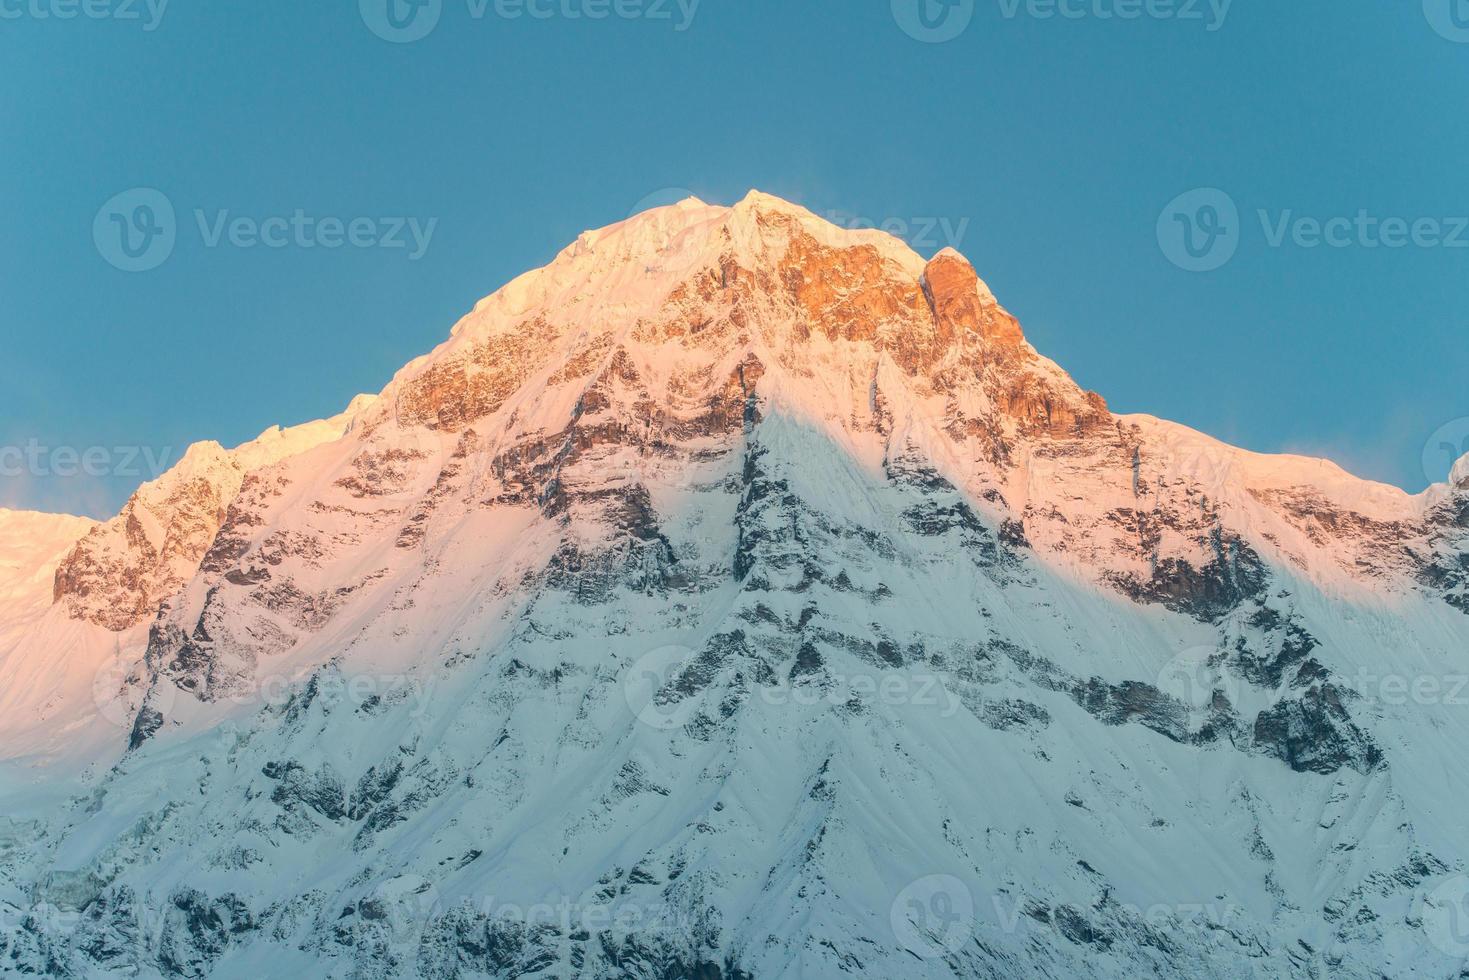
{"points": [[33, 545], [118, 574], [631, 266]]}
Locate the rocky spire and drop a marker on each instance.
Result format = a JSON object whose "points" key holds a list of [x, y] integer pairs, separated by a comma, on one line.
{"points": [[961, 302]]}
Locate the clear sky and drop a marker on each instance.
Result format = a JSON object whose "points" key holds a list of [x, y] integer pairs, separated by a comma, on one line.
{"points": [[1049, 148]]}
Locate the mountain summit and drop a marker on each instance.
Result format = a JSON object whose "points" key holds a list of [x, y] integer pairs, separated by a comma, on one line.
{"points": [[740, 596]]}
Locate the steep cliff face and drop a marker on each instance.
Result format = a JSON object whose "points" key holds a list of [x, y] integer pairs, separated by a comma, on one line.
{"points": [[739, 596], [117, 576]]}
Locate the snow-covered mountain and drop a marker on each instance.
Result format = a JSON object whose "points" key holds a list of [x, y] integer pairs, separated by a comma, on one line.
{"points": [[739, 597]]}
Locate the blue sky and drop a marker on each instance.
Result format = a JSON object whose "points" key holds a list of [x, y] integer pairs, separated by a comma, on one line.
{"points": [[1047, 139]]}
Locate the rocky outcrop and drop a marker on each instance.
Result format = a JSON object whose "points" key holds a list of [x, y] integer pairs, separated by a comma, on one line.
{"points": [[120, 572], [962, 304]]}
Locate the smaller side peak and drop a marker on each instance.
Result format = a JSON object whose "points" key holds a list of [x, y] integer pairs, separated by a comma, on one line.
{"points": [[950, 258], [57, 518], [757, 200], [361, 403], [1459, 475], [672, 198], [951, 273], [962, 302], [204, 451]]}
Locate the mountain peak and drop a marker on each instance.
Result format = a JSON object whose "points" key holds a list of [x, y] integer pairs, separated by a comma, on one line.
{"points": [[961, 301], [758, 200]]}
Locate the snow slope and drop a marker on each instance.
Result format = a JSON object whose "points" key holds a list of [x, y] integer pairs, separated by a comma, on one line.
{"points": [[739, 596], [34, 545]]}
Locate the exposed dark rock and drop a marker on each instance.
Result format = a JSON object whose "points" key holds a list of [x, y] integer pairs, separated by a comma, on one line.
{"points": [[1013, 713], [1233, 576], [320, 791], [145, 726], [1314, 733], [1285, 647], [198, 930]]}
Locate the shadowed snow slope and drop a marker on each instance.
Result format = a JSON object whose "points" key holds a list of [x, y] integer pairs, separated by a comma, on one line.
{"points": [[739, 596]]}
